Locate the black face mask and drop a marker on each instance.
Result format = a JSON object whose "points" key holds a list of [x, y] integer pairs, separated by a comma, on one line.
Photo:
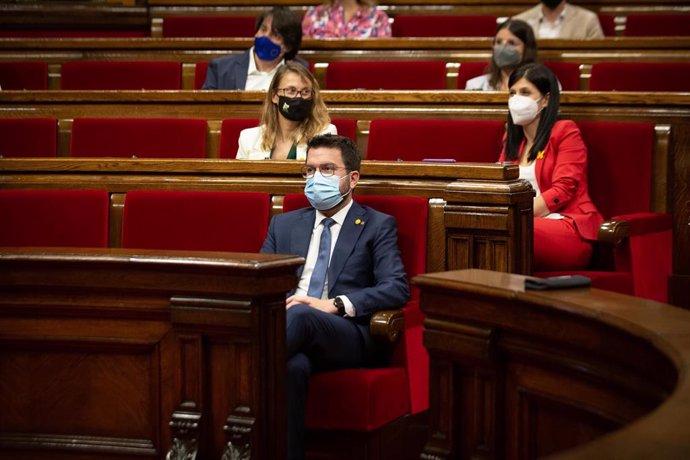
{"points": [[294, 108], [551, 4]]}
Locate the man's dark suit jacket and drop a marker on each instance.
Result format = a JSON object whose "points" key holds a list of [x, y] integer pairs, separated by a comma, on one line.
{"points": [[365, 265], [230, 72]]}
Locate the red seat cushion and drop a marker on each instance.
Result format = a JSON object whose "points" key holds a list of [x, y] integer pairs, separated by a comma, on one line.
{"points": [[28, 137], [81, 33], [24, 75], [568, 74], [391, 75], [209, 26], [443, 26], [608, 24], [139, 137], [357, 399], [200, 71], [470, 70], [416, 140], [69, 218], [346, 127], [121, 75], [195, 220]]}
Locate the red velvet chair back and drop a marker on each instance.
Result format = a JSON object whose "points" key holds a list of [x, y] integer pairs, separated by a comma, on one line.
{"points": [[416, 140], [56, 218], [657, 25], [195, 220], [28, 137], [24, 75], [71, 33], [443, 26], [640, 76], [608, 24], [619, 157], [200, 71], [139, 137], [391, 75], [121, 75], [470, 70], [230, 130], [568, 74], [209, 26], [346, 127]]}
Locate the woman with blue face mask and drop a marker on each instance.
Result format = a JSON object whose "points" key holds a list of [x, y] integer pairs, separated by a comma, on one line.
{"points": [[277, 40], [514, 45], [292, 114], [553, 158]]}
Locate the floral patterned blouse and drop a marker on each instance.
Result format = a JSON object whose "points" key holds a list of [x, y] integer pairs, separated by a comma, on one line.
{"points": [[328, 21]]}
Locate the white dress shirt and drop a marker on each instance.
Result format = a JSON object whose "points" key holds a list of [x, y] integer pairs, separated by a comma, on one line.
{"points": [[256, 79]]}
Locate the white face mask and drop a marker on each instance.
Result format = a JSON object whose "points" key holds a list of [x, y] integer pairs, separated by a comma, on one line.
{"points": [[523, 109]]}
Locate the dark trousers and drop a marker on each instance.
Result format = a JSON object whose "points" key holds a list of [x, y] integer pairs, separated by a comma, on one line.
{"points": [[316, 341]]}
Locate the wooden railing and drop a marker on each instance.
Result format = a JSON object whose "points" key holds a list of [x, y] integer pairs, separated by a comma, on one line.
{"points": [[570, 374]]}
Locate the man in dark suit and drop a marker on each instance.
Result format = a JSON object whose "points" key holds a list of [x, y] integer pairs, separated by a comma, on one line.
{"points": [[277, 39], [328, 314]]}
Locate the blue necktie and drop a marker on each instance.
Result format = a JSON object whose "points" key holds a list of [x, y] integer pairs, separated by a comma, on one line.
{"points": [[318, 276]]}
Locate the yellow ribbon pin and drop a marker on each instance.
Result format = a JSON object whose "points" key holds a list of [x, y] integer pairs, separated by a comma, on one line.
{"points": [[540, 155], [359, 222]]}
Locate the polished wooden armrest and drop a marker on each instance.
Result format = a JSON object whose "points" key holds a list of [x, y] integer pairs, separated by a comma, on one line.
{"points": [[386, 325], [613, 232]]}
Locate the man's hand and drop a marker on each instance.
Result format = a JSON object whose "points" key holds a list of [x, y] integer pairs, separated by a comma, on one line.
{"points": [[325, 305]]}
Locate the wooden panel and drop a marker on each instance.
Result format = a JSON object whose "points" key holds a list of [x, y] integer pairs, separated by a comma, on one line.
{"points": [[524, 374], [116, 353]]}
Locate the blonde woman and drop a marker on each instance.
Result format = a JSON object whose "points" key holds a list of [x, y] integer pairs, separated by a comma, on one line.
{"points": [[292, 114], [345, 19]]}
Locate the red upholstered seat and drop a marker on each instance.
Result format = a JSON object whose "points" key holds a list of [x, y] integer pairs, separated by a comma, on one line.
{"points": [[470, 70], [73, 33], [121, 75], [230, 130], [200, 71], [640, 76], [28, 137], [57, 218], [23, 75], [365, 400], [139, 137], [620, 176], [195, 220], [568, 74], [346, 127], [416, 140], [209, 26], [389, 75], [443, 26], [656, 25]]}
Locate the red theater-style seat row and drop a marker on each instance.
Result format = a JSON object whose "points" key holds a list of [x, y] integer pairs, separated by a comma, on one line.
{"points": [[238, 221], [634, 25]]}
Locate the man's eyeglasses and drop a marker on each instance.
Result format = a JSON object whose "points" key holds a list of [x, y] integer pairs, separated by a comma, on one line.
{"points": [[325, 170], [291, 91]]}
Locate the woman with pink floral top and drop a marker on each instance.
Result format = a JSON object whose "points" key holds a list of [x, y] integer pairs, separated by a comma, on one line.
{"points": [[345, 19]]}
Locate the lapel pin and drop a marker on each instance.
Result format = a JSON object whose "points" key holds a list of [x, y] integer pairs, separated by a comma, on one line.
{"points": [[359, 222], [540, 155]]}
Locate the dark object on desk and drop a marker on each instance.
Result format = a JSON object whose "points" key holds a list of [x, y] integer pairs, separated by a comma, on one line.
{"points": [[558, 282]]}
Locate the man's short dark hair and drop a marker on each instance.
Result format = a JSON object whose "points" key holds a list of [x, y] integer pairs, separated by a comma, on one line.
{"points": [[287, 24], [348, 149]]}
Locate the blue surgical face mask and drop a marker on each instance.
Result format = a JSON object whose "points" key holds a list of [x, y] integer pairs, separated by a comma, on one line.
{"points": [[324, 192], [266, 49]]}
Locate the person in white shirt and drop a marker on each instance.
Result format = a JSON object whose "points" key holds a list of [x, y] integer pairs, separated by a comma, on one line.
{"points": [[559, 19], [514, 44], [292, 114], [277, 40]]}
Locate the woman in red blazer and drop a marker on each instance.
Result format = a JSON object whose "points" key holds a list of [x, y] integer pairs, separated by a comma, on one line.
{"points": [[553, 158]]}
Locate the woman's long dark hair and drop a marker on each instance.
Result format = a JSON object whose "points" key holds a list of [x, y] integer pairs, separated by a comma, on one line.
{"points": [[547, 84], [524, 32]]}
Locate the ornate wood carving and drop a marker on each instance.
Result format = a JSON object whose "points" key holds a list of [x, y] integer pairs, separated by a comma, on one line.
{"points": [[185, 427], [238, 428]]}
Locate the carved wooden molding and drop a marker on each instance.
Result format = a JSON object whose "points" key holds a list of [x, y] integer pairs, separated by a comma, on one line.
{"points": [[185, 427], [239, 430]]}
